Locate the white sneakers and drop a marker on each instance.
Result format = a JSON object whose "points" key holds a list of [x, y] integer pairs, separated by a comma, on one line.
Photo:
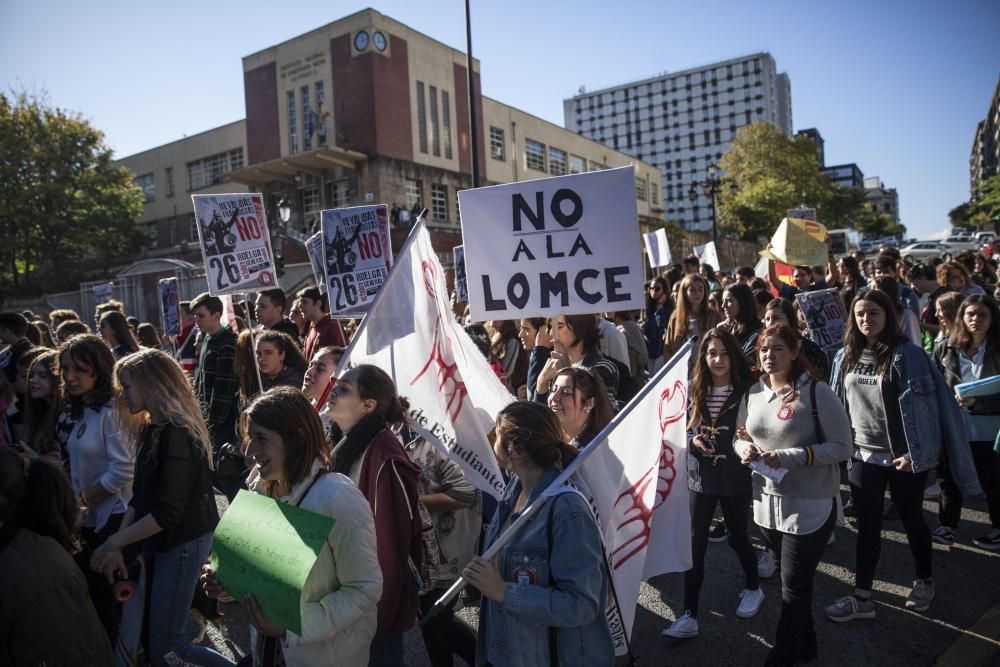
{"points": [[750, 602], [767, 563], [686, 626]]}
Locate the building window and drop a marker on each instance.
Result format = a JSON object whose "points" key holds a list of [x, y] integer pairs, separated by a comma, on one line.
{"points": [[413, 189], [557, 162], [534, 154], [307, 119], [577, 165], [435, 134], [311, 204], [293, 131], [172, 230], [320, 114], [497, 151], [209, 170], [439, 202], [145, 182], [596, 166], [654, 193], [458, 209], [170, 181], [446, 122], [421, 118], [640, 189]]}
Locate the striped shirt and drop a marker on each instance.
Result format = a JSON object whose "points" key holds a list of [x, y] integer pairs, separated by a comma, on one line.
{"points": [[716, 399]]}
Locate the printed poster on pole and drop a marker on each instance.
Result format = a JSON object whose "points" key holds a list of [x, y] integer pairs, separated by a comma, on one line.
{"points": [[235, 243], [170, 316], [657, 248], [314, 248], [357, 255], [461, 284], [567, 245]]}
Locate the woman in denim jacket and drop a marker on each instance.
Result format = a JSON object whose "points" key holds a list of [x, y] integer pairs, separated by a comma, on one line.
{"points": [[902, 413], [545, 593]]}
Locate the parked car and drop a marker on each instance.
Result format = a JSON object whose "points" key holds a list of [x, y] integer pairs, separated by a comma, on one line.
{"points": [[925, 250], [960, 244]]}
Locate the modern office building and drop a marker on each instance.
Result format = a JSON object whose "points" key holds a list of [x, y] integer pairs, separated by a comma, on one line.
{"points": [[365, 110], [684, 121], [845, 175], [817, 139], [984, 160], [882, 199]]}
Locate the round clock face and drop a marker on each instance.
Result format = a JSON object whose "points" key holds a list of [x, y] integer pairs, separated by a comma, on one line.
{"points": [[379, 40], [361, 41]]}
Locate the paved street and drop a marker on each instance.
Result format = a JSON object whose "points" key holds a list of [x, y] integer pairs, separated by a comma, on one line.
{"points": [[962, 628]]}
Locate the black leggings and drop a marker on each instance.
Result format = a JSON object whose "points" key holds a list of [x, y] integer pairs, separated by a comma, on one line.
{"points": [[736, 512], [987, 464], [446, 635], [868, 482]]}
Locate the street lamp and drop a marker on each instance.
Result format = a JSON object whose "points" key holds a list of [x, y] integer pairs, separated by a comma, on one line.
{"points": [[285, 210], [711, 186]]}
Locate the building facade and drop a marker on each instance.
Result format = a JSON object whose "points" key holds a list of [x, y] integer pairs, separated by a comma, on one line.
{"points": [[984, 161], [845, 175], [882, 199], [684, 121]]}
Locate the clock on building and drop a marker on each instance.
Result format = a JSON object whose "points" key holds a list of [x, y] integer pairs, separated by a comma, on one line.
{"points": [[379, 40], [361, 41]]}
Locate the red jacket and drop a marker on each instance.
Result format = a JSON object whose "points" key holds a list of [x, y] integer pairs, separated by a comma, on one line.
{"points": [[325, 332], [388, 479]]}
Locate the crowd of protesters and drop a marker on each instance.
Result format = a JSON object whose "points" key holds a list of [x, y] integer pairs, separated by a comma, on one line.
{"points": [[115, 445]]}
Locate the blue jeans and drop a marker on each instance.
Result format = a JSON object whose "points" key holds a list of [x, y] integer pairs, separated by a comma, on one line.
{"points": [[175, 575]]}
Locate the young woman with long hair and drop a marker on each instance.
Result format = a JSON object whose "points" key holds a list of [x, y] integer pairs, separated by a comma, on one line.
{"points": [[46, 617], [172, 513], [45, 335], [796, 431], [147, 336], [43, 403], [506, 347], [715, 475], [284, 438], [955, 276], [280, 360], [576, 341], [902, 415], [740, 312], [117, 333], [851, 279], [100, 455], [528, 332], [971, 353], [909, 324], [946, 310], [545, 592], [692, 316], [657, 316], [580, 403], [364, 405]]}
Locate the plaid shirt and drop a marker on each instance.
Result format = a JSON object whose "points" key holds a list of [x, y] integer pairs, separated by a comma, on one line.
{"points": [[216, 385]]}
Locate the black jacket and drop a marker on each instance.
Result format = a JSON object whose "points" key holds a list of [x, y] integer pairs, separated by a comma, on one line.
{"points": [[947, 359], [721, 477]]}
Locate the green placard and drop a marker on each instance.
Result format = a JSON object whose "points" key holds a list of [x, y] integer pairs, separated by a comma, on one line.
{"points": [[267, 548]]}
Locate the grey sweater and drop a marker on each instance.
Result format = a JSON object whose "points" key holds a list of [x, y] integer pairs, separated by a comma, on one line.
{"points": [[789, 428]]}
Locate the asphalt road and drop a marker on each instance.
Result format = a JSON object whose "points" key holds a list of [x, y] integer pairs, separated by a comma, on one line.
{"points": [[962, 628]]}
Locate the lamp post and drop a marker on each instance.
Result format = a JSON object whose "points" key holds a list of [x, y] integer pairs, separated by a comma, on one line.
{"points": [[711, 186], [284, 214]]}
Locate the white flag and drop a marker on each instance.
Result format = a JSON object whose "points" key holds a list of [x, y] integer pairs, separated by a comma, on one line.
{"points": [[637, 480], [708, 254], [657, 248], [411, 334]]}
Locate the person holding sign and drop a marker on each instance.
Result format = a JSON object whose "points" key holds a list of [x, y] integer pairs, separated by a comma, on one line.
{"points": [[364, 406], [692, 316], [793, 432], [545, 592], [284, 439], [902, 417], [172, 512]]}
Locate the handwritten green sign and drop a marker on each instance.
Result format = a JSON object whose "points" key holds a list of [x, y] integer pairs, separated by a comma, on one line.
{"points": [[268, 548]]}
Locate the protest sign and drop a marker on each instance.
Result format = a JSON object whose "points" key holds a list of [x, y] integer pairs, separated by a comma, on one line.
{"points": [[170, 316], [103, 293], [567, 245], [657, 248], [235, 243], [357, 255], [314, 248], [799, 243], [461, 287], [411, 334], [267, 548], [801, 214], [708, 254], [825, 317]]}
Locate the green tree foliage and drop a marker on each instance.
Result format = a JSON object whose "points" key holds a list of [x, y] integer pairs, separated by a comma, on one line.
{"points": [[64, 207], [983, 210], [766, 173]]}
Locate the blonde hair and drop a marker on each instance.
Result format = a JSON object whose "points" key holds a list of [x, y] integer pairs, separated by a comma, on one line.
{"points": [[167, 397]]}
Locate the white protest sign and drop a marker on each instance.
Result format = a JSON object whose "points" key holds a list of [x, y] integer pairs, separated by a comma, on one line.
{"points": [[566, 245], [103, 293], [657, 248], [235, 243], [708, 254], [314, 248], [825, 317], [461, 286], [356, 254], [801, 214]]}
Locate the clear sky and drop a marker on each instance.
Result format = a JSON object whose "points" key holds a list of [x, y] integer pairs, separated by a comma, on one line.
{"points": [[896, 86]]}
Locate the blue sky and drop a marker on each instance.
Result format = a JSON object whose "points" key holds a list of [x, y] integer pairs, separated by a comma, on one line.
{"points": [[895, 86]]}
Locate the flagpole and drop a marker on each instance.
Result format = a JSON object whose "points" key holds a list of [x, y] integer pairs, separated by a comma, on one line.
{"points": [[410, 238], [567, 472], [253, 340]]}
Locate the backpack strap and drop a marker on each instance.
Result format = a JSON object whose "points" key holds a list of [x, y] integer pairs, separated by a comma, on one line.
{"points": [[820, 435]]}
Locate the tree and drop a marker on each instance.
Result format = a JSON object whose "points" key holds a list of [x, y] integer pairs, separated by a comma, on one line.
{"points": [[984, 207], [64, 207]]}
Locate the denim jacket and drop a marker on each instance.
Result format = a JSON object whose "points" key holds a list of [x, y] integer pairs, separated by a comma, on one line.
{"points": [[931, 418], [557, 587]]}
